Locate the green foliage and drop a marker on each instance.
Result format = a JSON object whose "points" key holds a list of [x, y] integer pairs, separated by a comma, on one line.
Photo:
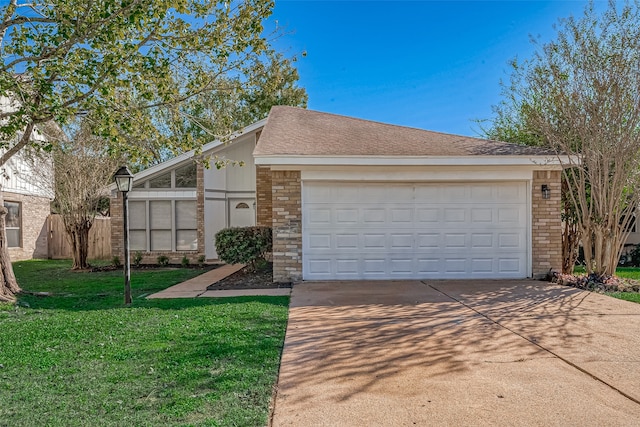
{"points": [[137, 258], [635, 256], [190, 361], [578, 95], [130, 68], [115, 261], [162, 260], [185, 261], [201, 260], [243, 245]]}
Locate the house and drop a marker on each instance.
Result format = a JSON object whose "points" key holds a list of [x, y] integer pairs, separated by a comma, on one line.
{"points": [[177, 207], [355, 199], [27, 198], [26, 183]]}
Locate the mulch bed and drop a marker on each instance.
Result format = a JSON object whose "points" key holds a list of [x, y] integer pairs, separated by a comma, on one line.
{"points": [[247, 279], [596, 283]]}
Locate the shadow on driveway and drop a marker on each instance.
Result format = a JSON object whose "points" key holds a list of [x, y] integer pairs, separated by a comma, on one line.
{"points": [[458, 353]]}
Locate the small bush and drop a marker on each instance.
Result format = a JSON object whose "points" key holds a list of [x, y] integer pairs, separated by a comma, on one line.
{"points": [[185, 261], [163, 260], [115, 261], [243, 245], [201, 259], [635, 256], [137, 258]]}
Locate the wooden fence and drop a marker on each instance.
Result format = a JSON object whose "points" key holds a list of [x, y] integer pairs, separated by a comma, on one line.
{"points": [[99, 239]]}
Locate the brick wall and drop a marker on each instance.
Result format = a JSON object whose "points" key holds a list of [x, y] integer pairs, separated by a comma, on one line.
{"points": [[35, 211], [287, 226], [546, 225], [116, 225], [264, 203]]}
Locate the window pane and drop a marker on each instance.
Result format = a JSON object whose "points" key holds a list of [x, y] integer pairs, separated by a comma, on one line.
{"points": [[163, 181], [186, 240], [137, 215], [160, 240], [160, 214], [186, 176], [13, 216], [140, 185], [13, 237], [138, 240], [186, 214]]}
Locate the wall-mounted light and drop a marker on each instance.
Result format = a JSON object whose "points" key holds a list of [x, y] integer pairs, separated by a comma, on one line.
{"points": [[546, 191]]}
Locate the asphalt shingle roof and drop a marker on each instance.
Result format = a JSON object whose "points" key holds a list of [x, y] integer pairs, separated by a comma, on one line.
{"points": [[292, 131]]}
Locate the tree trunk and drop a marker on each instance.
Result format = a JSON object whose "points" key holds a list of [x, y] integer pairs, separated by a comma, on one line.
{"points": [[570, 245], [79, 236], [8, 285], [571, 232]]}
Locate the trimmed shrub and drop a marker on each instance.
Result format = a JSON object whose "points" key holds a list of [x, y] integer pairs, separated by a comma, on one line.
{"points": [[201, 260], [185, 261], [243, 245], [137, 258], [163, 260]]}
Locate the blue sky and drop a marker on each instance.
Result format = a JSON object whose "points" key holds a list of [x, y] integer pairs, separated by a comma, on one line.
{"points": [[433, 65]]}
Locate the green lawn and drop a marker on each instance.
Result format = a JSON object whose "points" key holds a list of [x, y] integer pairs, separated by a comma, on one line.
{"points": [[80, 357]]}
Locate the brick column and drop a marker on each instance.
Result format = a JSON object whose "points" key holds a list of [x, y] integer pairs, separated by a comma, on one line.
{"points": [[546, 224], [117, 236], [263, 196], [287, 226]]}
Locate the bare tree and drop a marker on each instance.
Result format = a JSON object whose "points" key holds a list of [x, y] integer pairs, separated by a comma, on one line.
{"points": [[83, 172], [580, 94]]}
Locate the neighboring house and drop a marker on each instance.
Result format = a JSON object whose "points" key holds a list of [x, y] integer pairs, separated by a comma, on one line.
{"points": [[27, 189], [355, 199], [28, 204]]}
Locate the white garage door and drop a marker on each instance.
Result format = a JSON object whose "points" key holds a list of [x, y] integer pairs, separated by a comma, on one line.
{"points": [[417, 231]]}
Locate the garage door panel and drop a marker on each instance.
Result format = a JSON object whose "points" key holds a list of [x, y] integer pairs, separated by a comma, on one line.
{"points": [[428, 215], [319, 241], [391, 231], [318, 216]]}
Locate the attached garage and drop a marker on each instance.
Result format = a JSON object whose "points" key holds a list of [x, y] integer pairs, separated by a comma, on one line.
{"points": [[351, 199], [355, 230]]}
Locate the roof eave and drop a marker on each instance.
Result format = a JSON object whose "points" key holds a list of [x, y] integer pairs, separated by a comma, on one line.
{"points": [[548, 161]]}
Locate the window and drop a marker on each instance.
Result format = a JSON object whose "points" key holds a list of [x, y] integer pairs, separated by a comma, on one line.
{"points": [[13, 224], [186, 226], [160, 225], [162, 181], [242, 205], [186, 176], [182, 177], [163, 225], [138, 225]]}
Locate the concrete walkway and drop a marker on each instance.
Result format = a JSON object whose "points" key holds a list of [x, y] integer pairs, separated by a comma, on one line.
{"points": [[517, 353], [197, 286]]}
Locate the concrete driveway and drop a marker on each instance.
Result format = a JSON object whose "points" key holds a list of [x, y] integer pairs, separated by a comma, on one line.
{"points": [[458, 353]]}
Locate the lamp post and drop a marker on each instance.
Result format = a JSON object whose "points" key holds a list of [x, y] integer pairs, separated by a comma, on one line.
{"points": [[124, 179]]}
